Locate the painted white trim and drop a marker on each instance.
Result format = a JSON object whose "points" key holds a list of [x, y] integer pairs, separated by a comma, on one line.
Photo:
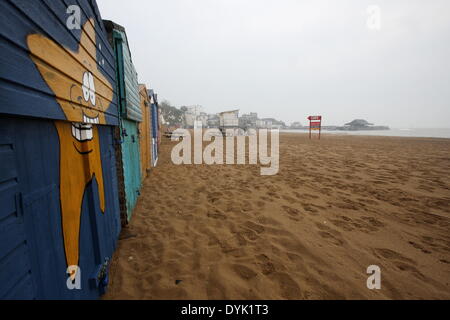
{"points": [[154, 161]]}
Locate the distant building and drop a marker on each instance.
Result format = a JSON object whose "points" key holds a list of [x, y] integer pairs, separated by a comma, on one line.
{"points": [[361, 124], [248, 120], [213, 121], [263, 124], [203, 118], [198, 124], [272, 123], [229, 120], [189, 120], [195, 109], [191, 115], [296, 125]]}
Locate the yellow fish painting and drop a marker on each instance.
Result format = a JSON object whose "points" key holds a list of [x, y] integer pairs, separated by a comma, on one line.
{"points": [[83, 94]]}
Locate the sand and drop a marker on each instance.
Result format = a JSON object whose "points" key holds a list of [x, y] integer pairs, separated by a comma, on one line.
{"points": [[336, 206]]}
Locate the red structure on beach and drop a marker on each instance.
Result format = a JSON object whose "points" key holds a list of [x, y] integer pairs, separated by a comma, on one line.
{"points": [[315, 123]]}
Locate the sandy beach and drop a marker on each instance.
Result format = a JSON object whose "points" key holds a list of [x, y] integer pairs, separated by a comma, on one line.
{"points": [[336, 206]]}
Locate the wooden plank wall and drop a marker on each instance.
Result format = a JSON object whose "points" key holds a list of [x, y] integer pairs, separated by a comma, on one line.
{"points": [[145, 131], [58, 112]]}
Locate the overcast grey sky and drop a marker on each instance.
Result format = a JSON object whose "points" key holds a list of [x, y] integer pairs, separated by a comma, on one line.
{"points": [[290, 58]]}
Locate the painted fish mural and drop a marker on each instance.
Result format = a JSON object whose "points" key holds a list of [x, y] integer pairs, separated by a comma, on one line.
{"points": [[83, 97]]}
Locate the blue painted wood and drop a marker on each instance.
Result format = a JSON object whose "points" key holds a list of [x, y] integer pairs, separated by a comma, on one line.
{"points": [[155, 125], [20, 82], [32, 256]]}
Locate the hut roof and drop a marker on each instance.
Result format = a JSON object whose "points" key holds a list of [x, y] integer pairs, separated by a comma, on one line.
{"points": [[229, 111]]}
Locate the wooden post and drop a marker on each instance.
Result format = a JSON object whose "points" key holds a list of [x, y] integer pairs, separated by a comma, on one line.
{"points": [[320, 128], [310, 129]]}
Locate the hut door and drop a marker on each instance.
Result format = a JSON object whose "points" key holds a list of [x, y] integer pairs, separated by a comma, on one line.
{"points": [[129, 134], [15, 266], [154, 133]]}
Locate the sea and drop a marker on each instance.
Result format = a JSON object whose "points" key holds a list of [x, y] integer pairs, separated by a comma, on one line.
{"points": [[401, 132]]}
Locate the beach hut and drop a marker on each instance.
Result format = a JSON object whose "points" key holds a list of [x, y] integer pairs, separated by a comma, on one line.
{"points": [[59, 214], [130, 114], [156, 132], [145, 131], [229, 121]]}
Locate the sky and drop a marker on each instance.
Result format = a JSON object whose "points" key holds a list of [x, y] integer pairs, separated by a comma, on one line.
{"points": [[384, 61]]}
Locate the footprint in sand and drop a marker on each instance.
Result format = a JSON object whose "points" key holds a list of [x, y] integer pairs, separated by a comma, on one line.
{"points": [[226, 246], [367, 201], [248, 234], [289, 199], [309, 208], [216, 214], [330, 234], [240, 239], [214, 289], [260, 204], [411, 269], [232, 207], [389, 254], [437, 244], [348, 205], [419, 247], [265, 264], [288, 286], [247, 206], [243, 271], [214, 197], [310, 196], [268, 221], [373, 222], [255, 227], [344, 224], [295, 258], [332, 238], [294, 214], [297, 195], [364, 224]]}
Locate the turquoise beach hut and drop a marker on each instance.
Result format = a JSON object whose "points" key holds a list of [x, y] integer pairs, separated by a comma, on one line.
{"points": [[130, 115]]}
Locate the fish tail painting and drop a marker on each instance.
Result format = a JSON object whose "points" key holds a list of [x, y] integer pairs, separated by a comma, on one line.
{"points": [[80, 162], [84, 94]]}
